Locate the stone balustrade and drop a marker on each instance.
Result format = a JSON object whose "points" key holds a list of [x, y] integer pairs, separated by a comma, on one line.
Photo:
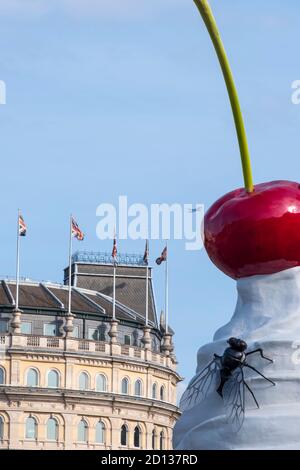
{"points": [[84, 346]]}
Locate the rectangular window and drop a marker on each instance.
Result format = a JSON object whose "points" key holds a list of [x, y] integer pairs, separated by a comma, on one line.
{"points": [[3, 326], [50, 329], [127, 340], [75, 332], [93, 334], [26, 328]]}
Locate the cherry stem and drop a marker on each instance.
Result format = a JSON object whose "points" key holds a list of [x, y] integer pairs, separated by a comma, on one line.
{"points": [[211, 25]]}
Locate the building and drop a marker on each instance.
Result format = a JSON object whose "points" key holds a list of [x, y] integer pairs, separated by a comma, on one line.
{"points": [[86, 381]]}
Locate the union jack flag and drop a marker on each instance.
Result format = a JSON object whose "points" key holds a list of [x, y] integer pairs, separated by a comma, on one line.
{"points": [[114, 250], [76, 232], [163, 256], [22, 227]]}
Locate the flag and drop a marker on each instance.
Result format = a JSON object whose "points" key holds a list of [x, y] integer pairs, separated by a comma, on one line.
{"points": [[114, 250], [146, 254], [76, 232], [22, 227], [163, 256]]}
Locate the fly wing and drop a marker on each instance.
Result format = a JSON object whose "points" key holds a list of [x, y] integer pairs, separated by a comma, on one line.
{"points": [[201, 385], [234, 399]]}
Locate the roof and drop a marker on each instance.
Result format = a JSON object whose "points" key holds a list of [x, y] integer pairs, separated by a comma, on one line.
{"points": [[53, 297], [130, 284]]}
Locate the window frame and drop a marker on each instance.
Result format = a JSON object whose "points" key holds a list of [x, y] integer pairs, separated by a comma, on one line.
{"points": [[3, 372], [58, 378], [103, 431], [34, 420], [56, 438], [86, 431], [125, 380], [105, 382], [124, 428], [32, 369], [87, 386]]}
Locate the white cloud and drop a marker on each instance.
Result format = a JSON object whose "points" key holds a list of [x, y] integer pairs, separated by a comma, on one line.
{"points": [[82, 8]]}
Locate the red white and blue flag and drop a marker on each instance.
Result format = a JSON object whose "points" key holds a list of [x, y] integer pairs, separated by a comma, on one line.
{"points": [[163, 256], [76, 232], [22, 227], [114, 250]]}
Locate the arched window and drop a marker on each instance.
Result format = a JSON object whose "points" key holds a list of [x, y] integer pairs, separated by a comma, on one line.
{"points": [[82, 431], [138, 388], [153, 439], [52, 429], [162, 393], [31, 428], [125, 386], [161, 440], [83, 381], [101, 383], [32, 379], [2, 376], [137, 437], [100, 432], [53, 379], [1, 428], [124, 433], [154, 391]]}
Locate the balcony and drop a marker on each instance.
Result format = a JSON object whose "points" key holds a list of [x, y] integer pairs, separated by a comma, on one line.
{"points": [[84, 347]]}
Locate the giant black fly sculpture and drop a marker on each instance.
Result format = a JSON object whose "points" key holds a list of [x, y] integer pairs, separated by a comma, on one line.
{"points": [[225, 375]]}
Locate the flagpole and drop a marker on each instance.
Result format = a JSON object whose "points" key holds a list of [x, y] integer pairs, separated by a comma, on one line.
{"points": [[147, 294], [167, 290], [70, 264], [114, 292], [18, 262]]}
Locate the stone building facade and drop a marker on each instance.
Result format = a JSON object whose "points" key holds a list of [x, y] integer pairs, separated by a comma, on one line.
{"points": [[85, 380]]}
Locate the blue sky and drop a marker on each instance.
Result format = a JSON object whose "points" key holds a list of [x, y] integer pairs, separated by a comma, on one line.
{"points": [[106, 98]]}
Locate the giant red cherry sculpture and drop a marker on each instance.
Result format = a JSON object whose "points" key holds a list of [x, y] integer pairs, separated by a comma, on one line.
{"points": [[255, 233], [255, 230]]}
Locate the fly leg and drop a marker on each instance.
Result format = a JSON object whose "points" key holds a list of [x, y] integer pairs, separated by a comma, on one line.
{"points": [[260, 351], [252, 393], [259, 373]]}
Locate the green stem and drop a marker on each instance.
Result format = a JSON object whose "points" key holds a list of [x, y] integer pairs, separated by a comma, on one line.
{"points": [[211, 25]]}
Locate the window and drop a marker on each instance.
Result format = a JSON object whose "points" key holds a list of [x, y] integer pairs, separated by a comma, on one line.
{"points": [[138, 388], [153, 439], [124, 432], [31, 428], [82, 431], [1, 428], [162, 393], [2, 376], [3, 326], [125, 386], [101, 383], [93, 333], [127, 340], [100, 432], [26, 328], [83, 381], [32, 379], [50, 329], [154, 345], [53, 379], [102, 330], [52, 429], [161, 440], [154, 391], [137, 437], [75, 332]]}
